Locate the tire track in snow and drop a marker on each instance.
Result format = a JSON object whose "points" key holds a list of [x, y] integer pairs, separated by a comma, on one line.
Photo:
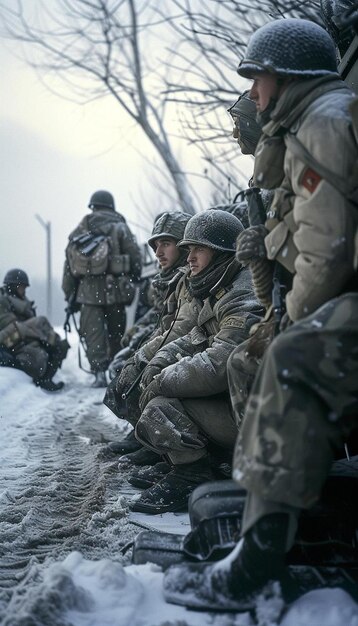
{"points": [[57, 495]]}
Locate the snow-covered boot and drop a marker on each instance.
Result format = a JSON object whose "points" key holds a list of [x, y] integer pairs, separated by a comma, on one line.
{"points": [[127, 445], [146, 477], [140, 457], [100, 380], [48, 384], [172, 492], [255, 566]]}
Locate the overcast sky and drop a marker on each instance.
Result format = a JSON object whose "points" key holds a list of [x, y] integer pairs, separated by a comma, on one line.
{"points": [[54, 155]]}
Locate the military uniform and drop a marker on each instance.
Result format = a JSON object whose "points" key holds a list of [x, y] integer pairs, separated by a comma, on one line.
{"points": [[30, 342], [103, 298], [304, 400], [186, 412], [297, 413], [192, 386]]}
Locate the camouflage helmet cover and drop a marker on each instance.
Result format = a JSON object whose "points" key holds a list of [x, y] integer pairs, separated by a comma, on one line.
{"points": [[290, 47], [16, 277], [215, 229], [169, 224], [101, 199]]}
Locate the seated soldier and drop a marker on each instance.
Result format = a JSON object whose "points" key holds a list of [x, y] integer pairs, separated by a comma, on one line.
{"points": [[304, 401], [168, 229], [185, 405], [27, 342]]}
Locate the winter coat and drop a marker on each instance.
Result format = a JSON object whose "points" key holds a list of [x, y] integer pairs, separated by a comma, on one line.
{"points": [[19, 324], [105, 289], [178, 317], [312, 225], [196, 363]]}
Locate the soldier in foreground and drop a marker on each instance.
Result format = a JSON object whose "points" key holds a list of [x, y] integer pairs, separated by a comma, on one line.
{"points": [[304, 401], [28, 342], [102, 262]]}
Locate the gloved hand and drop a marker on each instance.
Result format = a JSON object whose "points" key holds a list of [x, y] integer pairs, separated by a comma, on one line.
{"points": [[152, 391], [250, 244], [148, 375]]}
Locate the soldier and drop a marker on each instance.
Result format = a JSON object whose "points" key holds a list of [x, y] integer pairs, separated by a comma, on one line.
{"points": [[304, 401], [101, 285], [168, 229], [27, 342], [185, 405]]}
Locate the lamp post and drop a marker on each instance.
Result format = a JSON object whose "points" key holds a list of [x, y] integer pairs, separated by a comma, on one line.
{"points": [[47, 227]]}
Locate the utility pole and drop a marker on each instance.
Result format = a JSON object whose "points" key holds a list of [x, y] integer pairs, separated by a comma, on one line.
{"points": [[47, 227]]}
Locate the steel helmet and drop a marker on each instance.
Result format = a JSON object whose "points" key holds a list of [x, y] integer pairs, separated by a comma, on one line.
{"points": [[213, 228], [169, 225], [101, 199], [16, 277], [290, 47]]}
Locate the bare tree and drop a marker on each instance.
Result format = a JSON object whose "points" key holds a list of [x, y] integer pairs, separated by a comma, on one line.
{"points": [[96, 48], [212, 38]]}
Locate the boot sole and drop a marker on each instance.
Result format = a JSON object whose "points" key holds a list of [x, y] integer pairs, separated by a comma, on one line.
{"points": [[150, 509]]}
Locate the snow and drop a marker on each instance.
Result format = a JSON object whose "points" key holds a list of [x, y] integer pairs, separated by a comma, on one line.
{"points": [[64, 520]]}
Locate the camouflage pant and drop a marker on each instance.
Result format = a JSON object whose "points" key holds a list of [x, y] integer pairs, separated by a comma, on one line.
{"points": [[102, 328], [302, 406], [182, 428]]}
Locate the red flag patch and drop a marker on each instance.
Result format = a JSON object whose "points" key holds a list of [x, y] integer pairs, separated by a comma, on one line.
{"points": [[310, 179]]}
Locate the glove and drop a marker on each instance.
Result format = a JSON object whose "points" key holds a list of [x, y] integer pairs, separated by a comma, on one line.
{"points": [[148, 375], [250, 244], [152, 391]]}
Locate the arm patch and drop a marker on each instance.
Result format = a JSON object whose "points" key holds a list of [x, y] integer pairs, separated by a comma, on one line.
{"points": [[310, 179]]}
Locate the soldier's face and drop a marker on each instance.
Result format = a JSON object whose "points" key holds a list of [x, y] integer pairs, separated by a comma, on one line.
{"points": [[199, 258], [166, 252], [264, 87], [21, 289]]}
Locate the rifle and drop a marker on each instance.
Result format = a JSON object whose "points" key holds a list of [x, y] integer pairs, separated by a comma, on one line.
{"points": [[257, 215], [70, 312]]}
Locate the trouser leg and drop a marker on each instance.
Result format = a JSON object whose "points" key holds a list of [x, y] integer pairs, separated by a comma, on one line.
{"points": [[303, 403], [182, 429], [32, 359], [115, 318], [241, 371], [93, 330]]}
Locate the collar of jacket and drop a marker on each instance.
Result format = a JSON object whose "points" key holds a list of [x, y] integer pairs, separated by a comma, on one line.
{"points": [[297, 97], [226, 280]]}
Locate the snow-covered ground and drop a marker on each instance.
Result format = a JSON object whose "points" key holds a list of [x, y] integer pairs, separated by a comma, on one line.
{"points": [[64, 521]]}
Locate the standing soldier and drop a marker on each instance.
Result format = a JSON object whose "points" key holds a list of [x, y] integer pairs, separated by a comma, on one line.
{"points": [[102, 262], [28, 342], [304, 400]]}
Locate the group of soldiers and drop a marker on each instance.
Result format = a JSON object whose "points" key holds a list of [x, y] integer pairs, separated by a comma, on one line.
{"points": [[249, 354]]}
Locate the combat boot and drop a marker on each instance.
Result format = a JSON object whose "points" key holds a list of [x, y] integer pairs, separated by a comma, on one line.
{"points": [[235, 582], [48, 384], [143, 456], [144, 478], [100, 380], [172, 492], [126, 446]]}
